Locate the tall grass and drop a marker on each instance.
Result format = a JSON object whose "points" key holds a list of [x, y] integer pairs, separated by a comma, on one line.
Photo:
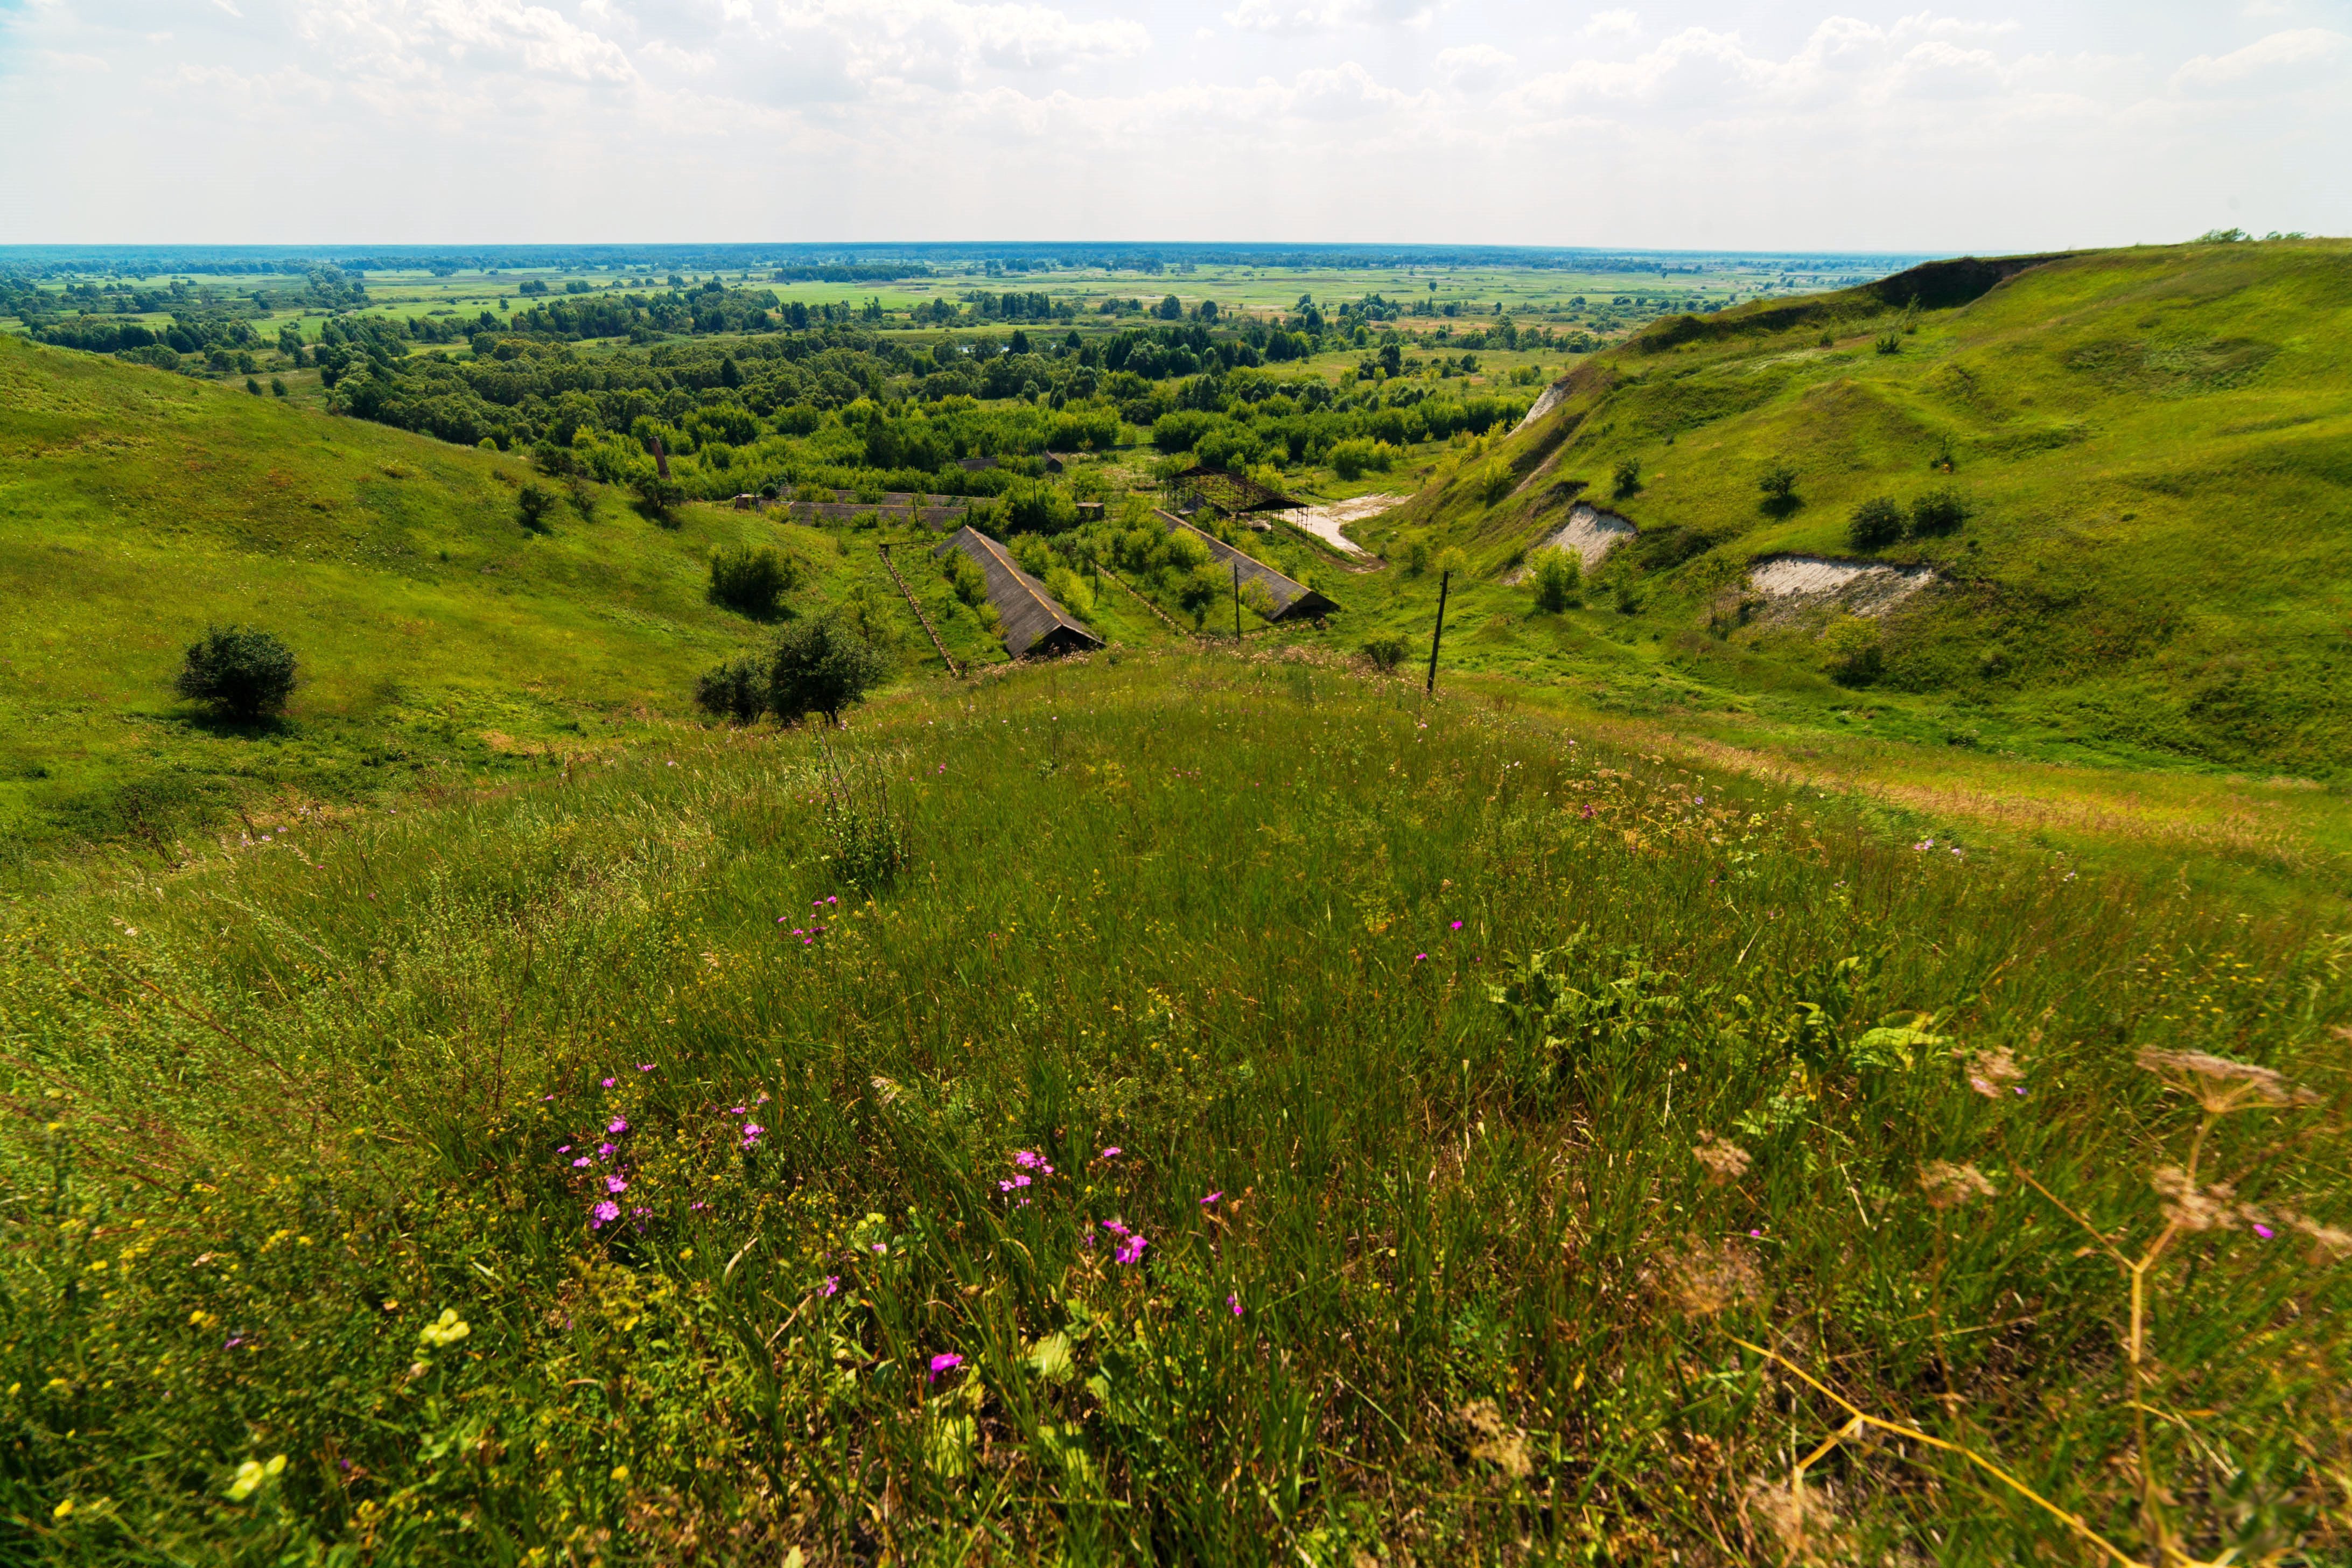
{"points": [[1186, 1156]]}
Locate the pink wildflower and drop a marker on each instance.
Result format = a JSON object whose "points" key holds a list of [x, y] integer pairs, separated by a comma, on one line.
{"points": [[1234, 1301], [831, 1286], [947, 1362], [610, 1082], [751, 1130], [1212, 1197], [618, 1125], [580, 1164], [615, 1185], [604, 1213], [1112, 1153], [1131, 1249]]}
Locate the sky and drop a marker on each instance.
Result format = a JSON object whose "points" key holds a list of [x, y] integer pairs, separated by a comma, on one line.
{"points": [[1977, 125]]}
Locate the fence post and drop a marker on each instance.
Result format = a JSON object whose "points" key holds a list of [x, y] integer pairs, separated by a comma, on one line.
{"points": [[1438, 635]]}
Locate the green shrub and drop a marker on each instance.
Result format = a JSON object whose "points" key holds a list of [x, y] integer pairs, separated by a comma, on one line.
{"points": [[1877, 523], [1072, 591], [1628, 475], [1452, 562], [1350, 458], [1558, 578], [1386, 650], [658, 500], [240, 672], [1038, 508], [821, 665], [752, 580], [1033, 555], [1199, 591], [1889, 343], [1778, 484], [965, 576], [737, 689], [1940, 511], [533, 503], [1416, 556], [1851, 652], [1494, 483]]}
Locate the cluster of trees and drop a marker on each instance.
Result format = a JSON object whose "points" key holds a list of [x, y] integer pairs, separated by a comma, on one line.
{"points": [[1240, 421], [188, 334]]}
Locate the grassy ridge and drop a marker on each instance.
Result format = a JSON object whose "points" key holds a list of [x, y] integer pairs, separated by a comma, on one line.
{"points": [[1238, 922], [434, 632], [2154, 447]]}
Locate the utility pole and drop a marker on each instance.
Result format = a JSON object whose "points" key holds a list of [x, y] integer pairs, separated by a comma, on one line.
{"points": [[1438, 635], [1237, 601]]}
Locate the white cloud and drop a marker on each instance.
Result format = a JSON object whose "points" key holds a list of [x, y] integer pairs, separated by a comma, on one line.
{"points": [[1471, 67], [931, 37], [1305, 17], [2298, 52], [1506, 121]]}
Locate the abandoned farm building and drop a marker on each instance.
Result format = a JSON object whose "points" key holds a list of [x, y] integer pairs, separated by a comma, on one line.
{"points": [[1292, 598], [1034, 622]]}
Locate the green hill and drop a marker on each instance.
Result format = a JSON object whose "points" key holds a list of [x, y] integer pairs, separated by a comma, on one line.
{"points": [[2153, 449], [434, 632]]}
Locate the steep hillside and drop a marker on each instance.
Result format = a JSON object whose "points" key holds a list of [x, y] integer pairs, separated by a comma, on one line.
{"points": [[2152, 453], [433, 630]]}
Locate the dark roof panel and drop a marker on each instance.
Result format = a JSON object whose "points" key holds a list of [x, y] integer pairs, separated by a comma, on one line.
{"points": [[1291, 598], [1034, 621]]}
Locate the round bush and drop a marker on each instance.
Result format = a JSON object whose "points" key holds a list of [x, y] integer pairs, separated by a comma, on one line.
{"points": [[1877, 523], [239, 671]]}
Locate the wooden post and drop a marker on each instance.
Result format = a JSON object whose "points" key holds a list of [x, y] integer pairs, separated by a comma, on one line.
{"points": [[1237, 601], [1438, 635]]}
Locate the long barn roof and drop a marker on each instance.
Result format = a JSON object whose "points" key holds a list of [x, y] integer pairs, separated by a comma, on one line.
{"points": [[1033, 619], [1291, 598]]}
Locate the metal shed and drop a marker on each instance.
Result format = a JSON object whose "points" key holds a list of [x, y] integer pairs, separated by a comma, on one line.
{"points": [[1292, 598], [1034, 621]]}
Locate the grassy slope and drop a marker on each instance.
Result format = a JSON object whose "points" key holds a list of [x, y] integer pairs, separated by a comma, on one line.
{"points": [[432, 630], [275, 1117], [2158, 448]]}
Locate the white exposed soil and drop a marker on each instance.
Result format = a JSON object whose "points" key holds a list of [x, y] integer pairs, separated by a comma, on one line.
{"points": [[1795, 583], [1325, 522], [1553, 395], [1589, 532]]}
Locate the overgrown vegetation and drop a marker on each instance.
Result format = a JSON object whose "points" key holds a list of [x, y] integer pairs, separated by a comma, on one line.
{"points": [[1264, 1117]]}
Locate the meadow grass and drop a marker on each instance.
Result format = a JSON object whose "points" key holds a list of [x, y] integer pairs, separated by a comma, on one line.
{"points": [[1185, 1156]]}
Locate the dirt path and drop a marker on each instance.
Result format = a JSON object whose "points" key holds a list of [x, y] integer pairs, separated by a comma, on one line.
{"points": [[1325, 522]]}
